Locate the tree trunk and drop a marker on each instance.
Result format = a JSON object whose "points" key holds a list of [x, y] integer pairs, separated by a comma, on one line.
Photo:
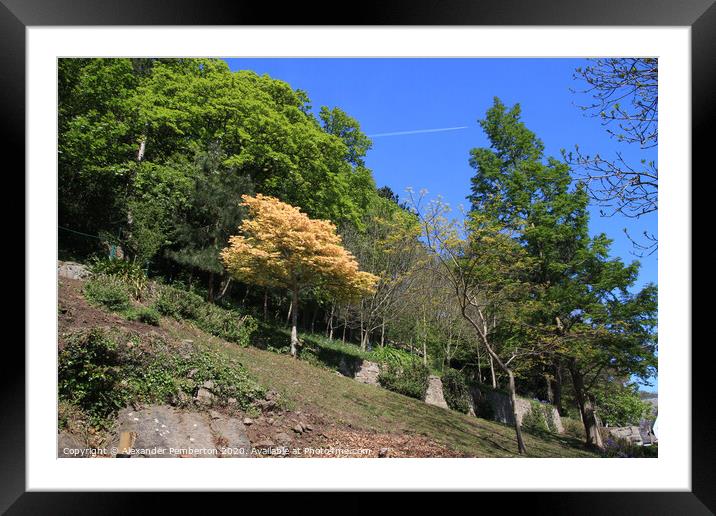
{"points": [[513, 401], [425, 340], [558, 387], [265, 304], [225, 288], [586, 408], [330, 321], [479, 367], [313, 319], [345, 325], [492, 371], [548, 387], [210, 291], [294, 322], [449, 343], [290, 311], [382, 334], [364, 339], [362, 334]]}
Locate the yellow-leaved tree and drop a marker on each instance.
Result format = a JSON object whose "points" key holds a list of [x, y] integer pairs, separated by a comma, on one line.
{"points": [[279, 246]]}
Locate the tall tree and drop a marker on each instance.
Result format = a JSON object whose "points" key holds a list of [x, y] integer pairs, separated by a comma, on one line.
{"points": [[583, 293], [485, 268], [214, 212], [122, 119], [282, 247]]}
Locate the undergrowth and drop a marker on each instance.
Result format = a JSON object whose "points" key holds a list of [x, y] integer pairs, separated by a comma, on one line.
{"points": [[101, 371]]}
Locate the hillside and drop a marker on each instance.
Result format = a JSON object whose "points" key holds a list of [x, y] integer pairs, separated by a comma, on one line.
{"points": [[318, 408]]}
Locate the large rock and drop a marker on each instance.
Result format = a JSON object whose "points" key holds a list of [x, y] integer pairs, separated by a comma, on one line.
{"points": [[368, 373], [72, 270], [163, 431], [71, 446], [434, 394]]}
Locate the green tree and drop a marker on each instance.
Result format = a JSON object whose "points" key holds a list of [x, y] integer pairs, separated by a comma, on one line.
{"points": [[585, 311], [214, 213], [121, 119], [620, 405], [337, 122], [486, 268], [388, 247]]}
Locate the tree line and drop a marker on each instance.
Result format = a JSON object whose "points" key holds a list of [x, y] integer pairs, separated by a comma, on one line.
{"points": [[196, 172]]}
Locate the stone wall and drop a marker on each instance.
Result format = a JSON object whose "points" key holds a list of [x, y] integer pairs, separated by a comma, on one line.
{"points": [[500, 404], [365, 371], [368, 373], [434, 394]]}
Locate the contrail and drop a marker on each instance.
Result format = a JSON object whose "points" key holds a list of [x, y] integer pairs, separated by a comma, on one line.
{"points": [[418, 131]]}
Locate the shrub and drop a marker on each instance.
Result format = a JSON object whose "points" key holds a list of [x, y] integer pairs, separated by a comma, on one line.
{"points": [[410, 379], [145, 315], [227, 324], [129, 272], [89, 374], [621, 405], [108, 291], [535, 420], [455, 391], [177, 303], [224, 323], [394, 356], [101, 372], [573, 427]]}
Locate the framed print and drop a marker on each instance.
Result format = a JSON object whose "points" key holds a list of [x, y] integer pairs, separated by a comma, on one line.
{"points": [[421, 249]]}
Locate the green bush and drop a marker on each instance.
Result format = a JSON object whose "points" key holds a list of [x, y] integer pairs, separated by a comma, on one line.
{"points": [[129, 272], [535, 420], [573, 427], [89, 374], [410, 379], [178, 303], [621, 405], [227, 324], [455, 391], [108, 291], [145, 315], [102, 371], [394, 356]]}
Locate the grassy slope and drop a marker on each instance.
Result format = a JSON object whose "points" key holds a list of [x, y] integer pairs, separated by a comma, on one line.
{"points": [[371, 408]]}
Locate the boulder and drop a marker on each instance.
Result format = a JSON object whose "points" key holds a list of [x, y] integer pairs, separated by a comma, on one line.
{"points": [[204, 396], [72, 270], [163, 431]]}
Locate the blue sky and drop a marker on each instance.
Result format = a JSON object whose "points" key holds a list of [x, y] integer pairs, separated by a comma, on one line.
{"points": [[401, 95]]}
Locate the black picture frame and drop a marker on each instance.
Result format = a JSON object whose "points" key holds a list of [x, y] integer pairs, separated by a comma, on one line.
{"points": [[700, 15]]}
